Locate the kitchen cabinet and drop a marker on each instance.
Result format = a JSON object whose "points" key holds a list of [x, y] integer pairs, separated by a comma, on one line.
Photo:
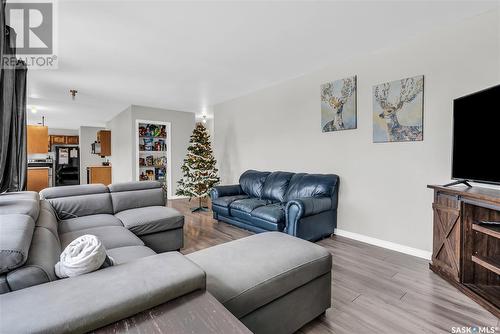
{"points": [[99, 174], [37, 137], [57, 140], [72, 140], [38, 178], [63, 140], [104, 139]]}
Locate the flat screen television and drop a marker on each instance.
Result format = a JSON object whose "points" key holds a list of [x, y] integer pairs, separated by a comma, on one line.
{"points": [[476, 137]]}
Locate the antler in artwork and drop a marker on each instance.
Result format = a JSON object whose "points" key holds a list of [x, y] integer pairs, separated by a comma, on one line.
{"points": [[381, 95], [410, 88], [347, 90], [326, 92]]}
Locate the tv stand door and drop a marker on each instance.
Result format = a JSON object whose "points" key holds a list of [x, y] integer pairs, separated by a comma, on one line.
{"points": [[447, 231]]}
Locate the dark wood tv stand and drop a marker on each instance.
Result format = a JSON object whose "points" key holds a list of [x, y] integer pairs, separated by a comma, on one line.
{"points": [[466, 252]]}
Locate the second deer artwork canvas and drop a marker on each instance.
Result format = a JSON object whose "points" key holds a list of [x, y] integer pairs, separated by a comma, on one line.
{"points": [[398, 110]]}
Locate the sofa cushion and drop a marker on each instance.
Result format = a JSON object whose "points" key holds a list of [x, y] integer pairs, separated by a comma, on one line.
{"points": [[227, 200], [32, 195], [110, 236], [272, 212], [4, 286], [242, 288], [311, 185], [129, 253], [39, 267], [131, 195], [276, 185], [47, 219], [16, 232], [85, 222], [23, 203], [247, 205], [79, 190], [252, 181], [77, 201], [151, 219]]}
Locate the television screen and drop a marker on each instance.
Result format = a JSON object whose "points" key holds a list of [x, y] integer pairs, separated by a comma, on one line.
{"points": [[476, 136]]}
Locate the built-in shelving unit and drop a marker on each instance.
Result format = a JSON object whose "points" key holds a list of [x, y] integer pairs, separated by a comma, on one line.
{"points": [[153, 152]]}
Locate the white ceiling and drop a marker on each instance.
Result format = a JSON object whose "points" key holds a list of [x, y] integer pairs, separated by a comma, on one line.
{"points": [[190, 55]]}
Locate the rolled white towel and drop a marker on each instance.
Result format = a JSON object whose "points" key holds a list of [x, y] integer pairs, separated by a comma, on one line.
{"points": [[83, 255]]}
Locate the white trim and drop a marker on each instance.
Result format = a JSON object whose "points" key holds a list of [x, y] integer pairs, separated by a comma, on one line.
{"points": [[169, 152], [385, 244]]}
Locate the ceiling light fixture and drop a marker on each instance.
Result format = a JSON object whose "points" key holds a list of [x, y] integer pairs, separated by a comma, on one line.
{"points": [[33, 110], [204, 120], [73, 92]]}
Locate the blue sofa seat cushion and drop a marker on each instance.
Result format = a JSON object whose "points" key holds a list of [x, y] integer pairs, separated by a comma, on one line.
{"points": [[273, 212], [248, 205], [227, 200]]}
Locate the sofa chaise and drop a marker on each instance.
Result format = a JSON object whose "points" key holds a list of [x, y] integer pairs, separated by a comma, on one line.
{"points": [[299, 204], [269, 295]]}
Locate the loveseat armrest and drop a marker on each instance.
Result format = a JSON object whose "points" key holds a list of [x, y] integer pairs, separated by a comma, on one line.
{"points": [[298, 209], [229, 190], [93, 300]]}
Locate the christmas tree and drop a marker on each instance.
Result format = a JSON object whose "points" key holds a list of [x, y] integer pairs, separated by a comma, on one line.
{"points": [[200, 174]]}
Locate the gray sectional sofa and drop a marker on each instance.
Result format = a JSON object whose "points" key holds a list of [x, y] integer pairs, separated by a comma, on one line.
{"points": [[130, 219], [277, 294]]}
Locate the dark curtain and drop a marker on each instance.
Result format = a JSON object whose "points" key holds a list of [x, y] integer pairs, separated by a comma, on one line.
{"points": [[13, 162]]}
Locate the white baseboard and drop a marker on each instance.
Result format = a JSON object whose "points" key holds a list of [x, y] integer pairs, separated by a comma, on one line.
{"points": [[385, 244]]}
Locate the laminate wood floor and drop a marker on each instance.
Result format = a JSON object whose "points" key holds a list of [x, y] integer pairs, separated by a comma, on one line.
{"points": [[374, 290]]}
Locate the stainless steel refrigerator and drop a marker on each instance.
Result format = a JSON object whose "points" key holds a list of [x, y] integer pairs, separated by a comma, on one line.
{"points": [[67, 168]]}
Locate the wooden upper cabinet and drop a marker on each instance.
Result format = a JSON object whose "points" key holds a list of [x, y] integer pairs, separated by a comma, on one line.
{"points": [[37, 137], [58, 140], [72, 140], [104, 138], [63, 140]]}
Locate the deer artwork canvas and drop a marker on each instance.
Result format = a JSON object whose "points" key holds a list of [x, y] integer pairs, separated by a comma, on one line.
{"points": [[338, 105], [398, 110]]}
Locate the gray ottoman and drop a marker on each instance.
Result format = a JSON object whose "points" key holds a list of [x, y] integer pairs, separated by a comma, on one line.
{"points": [[272, 282]]}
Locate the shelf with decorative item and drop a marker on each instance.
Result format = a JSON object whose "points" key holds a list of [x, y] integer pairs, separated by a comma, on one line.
{"points": [[153, 143]]}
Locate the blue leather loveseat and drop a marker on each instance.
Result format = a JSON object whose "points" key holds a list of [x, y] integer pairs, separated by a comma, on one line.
{"points": [[302, 205]]}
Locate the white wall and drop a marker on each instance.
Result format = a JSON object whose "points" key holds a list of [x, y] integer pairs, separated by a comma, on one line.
{"points": [[122, 139], [65, 132], [182, 125], [383, 186], [123, 142], [88, 135]]}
